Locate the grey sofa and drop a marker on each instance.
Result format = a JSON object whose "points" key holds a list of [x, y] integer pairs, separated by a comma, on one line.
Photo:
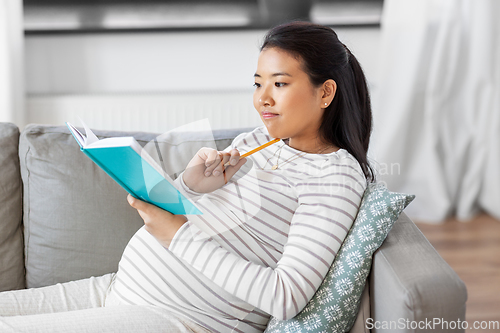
{"points": [[62, 219]]}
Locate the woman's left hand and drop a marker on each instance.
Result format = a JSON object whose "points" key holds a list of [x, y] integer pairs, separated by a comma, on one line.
{"points": [[158, 222]]}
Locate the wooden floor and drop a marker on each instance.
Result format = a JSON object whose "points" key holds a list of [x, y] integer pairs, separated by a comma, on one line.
{"points": [[472, 249]]}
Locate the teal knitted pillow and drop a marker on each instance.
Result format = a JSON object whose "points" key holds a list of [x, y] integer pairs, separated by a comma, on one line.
{"points": [[335, 305]]}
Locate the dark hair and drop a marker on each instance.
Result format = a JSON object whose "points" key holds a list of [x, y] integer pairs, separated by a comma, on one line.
{"points": [[347, 122]]}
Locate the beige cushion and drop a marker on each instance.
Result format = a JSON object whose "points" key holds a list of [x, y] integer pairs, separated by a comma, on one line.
{"points": [[77, 220], [11, 238]]}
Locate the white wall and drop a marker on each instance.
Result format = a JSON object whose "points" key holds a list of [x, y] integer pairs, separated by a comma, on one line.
{"points": [[141, 73]]}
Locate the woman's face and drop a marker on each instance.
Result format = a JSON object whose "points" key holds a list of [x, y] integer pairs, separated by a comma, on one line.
{"points": [[288, 104]]}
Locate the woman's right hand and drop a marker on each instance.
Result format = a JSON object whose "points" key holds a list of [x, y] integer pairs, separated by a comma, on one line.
{"points": [[205, 171]]}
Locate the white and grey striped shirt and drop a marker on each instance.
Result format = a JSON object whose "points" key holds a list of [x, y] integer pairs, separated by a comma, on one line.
{"points": [[262, 247]]}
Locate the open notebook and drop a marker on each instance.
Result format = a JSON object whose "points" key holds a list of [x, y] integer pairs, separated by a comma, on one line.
{"points": [[124, 160]]}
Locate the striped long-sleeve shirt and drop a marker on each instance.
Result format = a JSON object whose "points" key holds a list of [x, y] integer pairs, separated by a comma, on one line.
{"points": [[262, 247]]}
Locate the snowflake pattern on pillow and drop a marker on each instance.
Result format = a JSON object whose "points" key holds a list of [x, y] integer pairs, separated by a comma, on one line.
{"points": [[336, 303]]}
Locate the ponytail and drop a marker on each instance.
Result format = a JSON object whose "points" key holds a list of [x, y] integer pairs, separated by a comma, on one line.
{"points": [[364, 107]]}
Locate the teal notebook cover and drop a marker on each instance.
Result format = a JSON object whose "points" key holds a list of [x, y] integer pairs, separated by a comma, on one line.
{"points": [[129, 165]]}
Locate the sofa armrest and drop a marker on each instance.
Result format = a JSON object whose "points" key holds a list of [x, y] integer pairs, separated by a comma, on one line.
{"points": [[412, 286]]}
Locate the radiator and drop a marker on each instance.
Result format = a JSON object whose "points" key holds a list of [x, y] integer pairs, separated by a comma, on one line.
{"points": [[148, 112]]}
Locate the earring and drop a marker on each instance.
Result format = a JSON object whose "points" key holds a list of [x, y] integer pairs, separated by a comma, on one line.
{"points": [[326, 104]]}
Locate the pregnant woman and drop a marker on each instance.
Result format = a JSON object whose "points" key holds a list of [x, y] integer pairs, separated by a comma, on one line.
{"points": [[272, 223]]}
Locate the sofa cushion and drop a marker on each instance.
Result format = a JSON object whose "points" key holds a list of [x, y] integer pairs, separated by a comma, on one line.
{"points": [[77, 219], [411, 280], [11, 238], [335, 305]]}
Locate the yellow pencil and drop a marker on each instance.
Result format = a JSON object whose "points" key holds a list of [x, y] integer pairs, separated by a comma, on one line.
{"points": [[255, 150]]}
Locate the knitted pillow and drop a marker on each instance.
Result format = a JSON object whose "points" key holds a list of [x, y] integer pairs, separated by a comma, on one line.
{"points": [[335, 305]]}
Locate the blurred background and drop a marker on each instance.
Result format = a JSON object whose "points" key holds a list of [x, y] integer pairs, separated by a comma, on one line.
{"points": [[154, 65], [433, 67]]}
